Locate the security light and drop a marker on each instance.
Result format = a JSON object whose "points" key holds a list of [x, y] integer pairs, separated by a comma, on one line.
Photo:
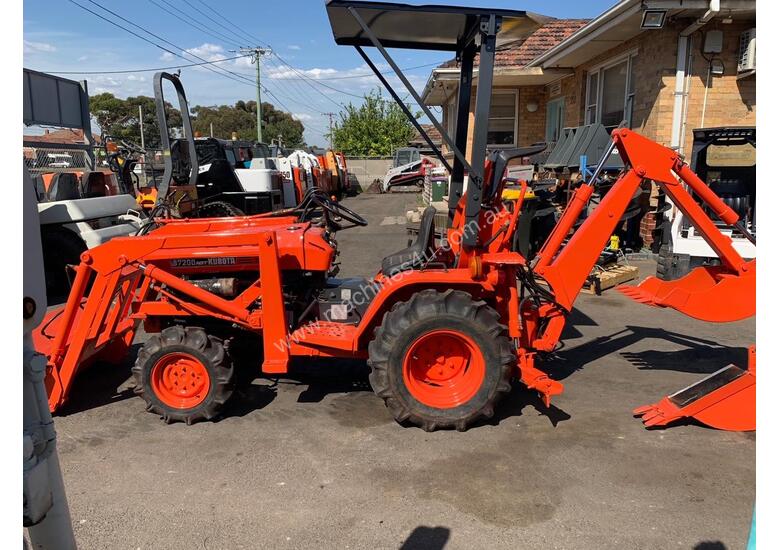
{"points": [[653, 19]]}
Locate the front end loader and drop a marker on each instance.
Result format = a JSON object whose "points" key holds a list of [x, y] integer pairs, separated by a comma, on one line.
{"points": [[444, 325]]}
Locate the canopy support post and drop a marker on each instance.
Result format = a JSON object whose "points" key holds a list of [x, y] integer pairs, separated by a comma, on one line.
{"points": [[488, 29], [378, 45], [461, 128]]}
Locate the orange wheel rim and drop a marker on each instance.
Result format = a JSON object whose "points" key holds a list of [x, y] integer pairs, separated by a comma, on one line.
{"points": [[443, 369], [180, 380]]}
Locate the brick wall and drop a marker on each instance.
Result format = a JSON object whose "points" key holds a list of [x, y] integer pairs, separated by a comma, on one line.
{"points": [[530, 126], [730, 101]]}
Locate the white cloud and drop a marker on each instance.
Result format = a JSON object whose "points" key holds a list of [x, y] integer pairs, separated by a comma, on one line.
{"points": [[37, 47], [83, 58], [105, 83], [209, 52], [360, 79], [167, 56], [303, 117], [134, 78], [295, 47], [283, 72]]}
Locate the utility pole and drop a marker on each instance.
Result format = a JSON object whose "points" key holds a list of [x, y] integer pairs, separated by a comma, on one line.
{"points": [[256, 53], [211, 129], [141, 123], [330, 126]]}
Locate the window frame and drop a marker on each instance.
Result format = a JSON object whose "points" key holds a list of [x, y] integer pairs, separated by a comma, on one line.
{"points": [[516, 119], [629, 58], [559, 103]]}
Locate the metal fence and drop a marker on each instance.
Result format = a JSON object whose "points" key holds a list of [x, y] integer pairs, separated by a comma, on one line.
{"points": [[58, 159], [368, 169], [76, 158]]}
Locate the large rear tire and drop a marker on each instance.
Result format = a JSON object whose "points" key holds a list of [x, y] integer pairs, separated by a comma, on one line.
{"points": [[441, 360], [184, 375]]}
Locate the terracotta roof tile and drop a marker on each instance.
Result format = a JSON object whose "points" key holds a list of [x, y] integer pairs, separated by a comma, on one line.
{"points": [[432, 132], [522, 52], [65, 135]]}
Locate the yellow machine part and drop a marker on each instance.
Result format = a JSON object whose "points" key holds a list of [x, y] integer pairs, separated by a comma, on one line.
{"points": [[513, 194]]}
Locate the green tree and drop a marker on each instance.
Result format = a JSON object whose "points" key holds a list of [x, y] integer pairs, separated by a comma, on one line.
{"points": [[374, 128], [119, 117], [241, 118]]}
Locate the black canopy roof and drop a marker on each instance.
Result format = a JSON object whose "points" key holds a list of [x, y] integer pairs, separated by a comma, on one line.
{"points": [[421, 27]]}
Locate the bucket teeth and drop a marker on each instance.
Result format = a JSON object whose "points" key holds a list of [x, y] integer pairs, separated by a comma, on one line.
{"points": [[657, 414], [637, 294]]}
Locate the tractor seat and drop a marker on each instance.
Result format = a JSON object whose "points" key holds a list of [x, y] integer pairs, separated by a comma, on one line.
{"points": [[414, 256]]}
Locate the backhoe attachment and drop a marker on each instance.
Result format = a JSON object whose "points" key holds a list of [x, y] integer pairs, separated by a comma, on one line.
{"points": [[721, 294], [727, 398]]}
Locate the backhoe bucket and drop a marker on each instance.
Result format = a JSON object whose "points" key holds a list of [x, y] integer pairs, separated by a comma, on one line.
{"points": [[725, 400], [706, 293]]}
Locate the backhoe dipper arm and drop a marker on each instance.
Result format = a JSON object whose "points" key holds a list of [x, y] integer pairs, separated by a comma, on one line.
{"points": [[566, 269]]}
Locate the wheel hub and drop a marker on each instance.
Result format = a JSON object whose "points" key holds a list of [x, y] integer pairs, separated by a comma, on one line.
{"points": [[443, 369], [180, 380]]}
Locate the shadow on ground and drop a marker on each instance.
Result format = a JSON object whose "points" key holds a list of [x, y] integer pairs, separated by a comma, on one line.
{"points": [[426, 538], [101, 384], [699, 356]]}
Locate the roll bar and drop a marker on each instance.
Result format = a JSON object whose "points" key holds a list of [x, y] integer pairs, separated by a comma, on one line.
{"points": [[165, 139]]}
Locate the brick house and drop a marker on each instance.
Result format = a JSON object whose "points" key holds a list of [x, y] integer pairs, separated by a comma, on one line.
{"points": [[696, 70]]}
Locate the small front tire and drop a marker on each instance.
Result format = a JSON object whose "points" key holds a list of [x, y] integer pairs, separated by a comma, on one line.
{"points": [[184, 375]]}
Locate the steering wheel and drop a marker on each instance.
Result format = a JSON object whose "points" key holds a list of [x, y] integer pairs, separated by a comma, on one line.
{"points": [[317, 197]]}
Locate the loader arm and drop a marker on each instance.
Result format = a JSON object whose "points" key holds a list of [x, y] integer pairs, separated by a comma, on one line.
{"points": [[712, 294]]}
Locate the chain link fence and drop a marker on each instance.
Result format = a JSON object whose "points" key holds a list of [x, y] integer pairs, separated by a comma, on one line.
{"points": [[56, 158], [39, 160]]}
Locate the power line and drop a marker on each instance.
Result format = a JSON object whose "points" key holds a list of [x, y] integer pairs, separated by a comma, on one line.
{"points": [[239, 29], [227, 72], [195, 24], [155, 44], [308, 80], [126, 71], [362, 75], [207, 16]]}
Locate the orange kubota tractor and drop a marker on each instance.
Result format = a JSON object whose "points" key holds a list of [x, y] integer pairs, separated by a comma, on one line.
{"points": [[444, 326]]}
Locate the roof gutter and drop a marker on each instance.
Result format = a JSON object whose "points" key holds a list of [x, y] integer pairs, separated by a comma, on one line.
{"points": [[594, 25]]}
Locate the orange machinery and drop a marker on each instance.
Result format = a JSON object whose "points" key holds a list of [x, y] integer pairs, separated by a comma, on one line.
{"points": [[445, 327]]}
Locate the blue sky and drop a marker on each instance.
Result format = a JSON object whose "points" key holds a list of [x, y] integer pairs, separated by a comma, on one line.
{"points": [[59, 36]]}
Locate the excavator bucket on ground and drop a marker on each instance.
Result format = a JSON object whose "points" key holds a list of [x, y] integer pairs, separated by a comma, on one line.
{"points": [[725, 400], [706, 293]]}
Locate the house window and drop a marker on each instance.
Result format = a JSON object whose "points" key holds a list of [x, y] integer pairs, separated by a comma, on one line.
{"points": [[610, 93], [502, 122]]}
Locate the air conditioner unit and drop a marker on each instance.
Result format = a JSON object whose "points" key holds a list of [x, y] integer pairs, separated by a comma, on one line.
{"points": [[746, 60]]}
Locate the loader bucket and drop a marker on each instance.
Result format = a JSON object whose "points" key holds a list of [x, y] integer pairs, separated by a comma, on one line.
{"points": [[725, 400], [706, 293]]}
